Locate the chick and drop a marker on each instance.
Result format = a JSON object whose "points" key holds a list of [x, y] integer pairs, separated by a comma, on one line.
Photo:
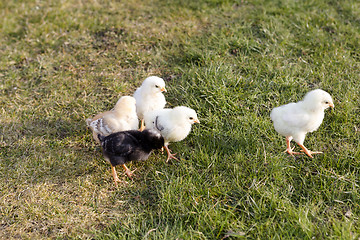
{"points": [[294, 120], [122, 147], [123, 117], [173, 124], [149, 96]]}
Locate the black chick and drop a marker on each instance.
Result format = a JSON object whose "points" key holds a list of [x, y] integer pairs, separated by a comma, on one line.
{"points": [[132, 145]]}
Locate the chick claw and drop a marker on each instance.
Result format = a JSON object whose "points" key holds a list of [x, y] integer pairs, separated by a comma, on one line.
{"points": [[128, 172], [115, 176], [116, 180], [170, 155], [309, 153], [290, 151]]}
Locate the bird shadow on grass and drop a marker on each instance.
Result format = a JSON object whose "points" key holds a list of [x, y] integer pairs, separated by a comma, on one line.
{"points": [[161, 186], [44, 150]]}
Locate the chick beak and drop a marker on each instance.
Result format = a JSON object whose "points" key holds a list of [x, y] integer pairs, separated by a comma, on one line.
{"points": [[196, 121], [163, 89], [332, 105]]}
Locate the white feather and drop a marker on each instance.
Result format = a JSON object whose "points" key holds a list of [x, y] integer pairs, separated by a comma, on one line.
{"points": [[173, 124], [294, 120], [149, 96]]}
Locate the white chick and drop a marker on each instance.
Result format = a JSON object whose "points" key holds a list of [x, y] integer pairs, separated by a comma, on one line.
{"points": [[123, 117], [173, 124], [294, 120], [149, 97]]}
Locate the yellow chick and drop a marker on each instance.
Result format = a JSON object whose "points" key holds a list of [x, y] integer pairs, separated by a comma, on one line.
{"points": [[122, 118]]}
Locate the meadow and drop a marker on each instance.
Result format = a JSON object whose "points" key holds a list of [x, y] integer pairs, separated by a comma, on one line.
{"points": [[231, 61]]}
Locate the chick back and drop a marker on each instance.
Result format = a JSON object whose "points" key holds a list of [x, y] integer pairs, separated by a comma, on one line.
{"points": [[132, 145]]}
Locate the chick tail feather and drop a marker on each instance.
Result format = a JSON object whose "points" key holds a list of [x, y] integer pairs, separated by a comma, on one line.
{"points": [[88, 121]]}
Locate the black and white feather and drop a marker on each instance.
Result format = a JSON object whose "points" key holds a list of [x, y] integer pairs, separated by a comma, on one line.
{"points": [[133, 145], [123, 117]]}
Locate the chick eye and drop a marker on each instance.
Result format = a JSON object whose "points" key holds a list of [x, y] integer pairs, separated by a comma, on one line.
{"points": [[156, 86], [326, 102], [191, 118]]}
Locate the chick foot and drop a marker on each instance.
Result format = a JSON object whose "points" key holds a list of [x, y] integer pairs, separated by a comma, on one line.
{"points": [[128, 172], [308, 152], [115, 176], [170, 155], [291, 152]]}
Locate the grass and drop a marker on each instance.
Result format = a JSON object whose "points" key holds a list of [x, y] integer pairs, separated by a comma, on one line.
{"points": [[231, 61]]}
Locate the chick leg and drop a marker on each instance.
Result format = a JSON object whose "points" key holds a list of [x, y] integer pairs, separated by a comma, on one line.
{"points": [[289, 150], [142, 125], [307, 151], [170, 155], [115, 176], [127, 171]]}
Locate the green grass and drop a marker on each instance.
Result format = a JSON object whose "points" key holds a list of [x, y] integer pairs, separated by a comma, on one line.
{"points": [[231, 61]]}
